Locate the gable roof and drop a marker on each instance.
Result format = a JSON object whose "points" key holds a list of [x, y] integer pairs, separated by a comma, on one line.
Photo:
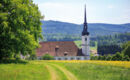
{"points": [[58, 48]]}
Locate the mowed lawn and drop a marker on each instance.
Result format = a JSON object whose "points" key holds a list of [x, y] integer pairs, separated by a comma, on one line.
{"points": [[66, 70]]}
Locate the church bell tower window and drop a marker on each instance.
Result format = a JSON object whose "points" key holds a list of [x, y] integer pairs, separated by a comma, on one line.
{"points": [[85, 39]]}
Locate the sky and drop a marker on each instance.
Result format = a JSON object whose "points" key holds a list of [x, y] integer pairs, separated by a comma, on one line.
{"points": [[98, 11]]}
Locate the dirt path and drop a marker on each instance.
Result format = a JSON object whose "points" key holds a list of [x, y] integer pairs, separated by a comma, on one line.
{"points": [[67, 73], [53, 73]]}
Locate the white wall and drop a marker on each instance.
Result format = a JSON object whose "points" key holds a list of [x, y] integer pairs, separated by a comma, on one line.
{"points": [[85, 45], [71, 58]]}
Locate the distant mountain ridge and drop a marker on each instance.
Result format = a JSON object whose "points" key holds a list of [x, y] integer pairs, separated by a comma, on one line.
{"points": [[54, 27]]}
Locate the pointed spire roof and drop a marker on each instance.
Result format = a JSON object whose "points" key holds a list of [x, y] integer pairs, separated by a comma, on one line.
{"points": [[85, 14], [85, 29]]}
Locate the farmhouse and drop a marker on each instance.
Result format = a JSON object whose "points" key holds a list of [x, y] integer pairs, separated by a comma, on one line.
{"points": [[67, 50]]}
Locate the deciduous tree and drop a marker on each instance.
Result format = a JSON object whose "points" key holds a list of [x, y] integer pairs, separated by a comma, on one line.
{"points": [[20, 27]]}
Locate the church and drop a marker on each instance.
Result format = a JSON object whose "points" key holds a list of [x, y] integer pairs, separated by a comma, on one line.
{"points": [[67, 50]]}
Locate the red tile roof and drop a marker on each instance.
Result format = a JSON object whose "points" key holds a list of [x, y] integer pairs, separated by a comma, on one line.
{"points": [[58, 48]]}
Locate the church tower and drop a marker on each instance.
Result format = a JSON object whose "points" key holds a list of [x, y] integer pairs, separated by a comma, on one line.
{"points": [[85, 38]]}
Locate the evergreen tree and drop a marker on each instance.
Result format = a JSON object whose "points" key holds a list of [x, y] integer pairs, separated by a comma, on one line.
{"points": [[126, 48]]}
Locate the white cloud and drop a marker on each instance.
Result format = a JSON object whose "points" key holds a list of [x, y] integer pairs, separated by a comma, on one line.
{"points": [[74, 12], [110, 6], [62, 11]]}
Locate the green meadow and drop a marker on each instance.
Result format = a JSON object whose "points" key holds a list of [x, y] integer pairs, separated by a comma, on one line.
{"points": [[45, 70]]}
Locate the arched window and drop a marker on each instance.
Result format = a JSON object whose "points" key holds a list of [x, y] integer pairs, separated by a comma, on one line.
{"points": [[85, 39], [66, 59], [59, 58], [71, 58], [78, 58]]}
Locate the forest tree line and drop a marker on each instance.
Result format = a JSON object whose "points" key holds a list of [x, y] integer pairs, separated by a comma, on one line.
{"points": [[112, 43], [123, 55]]}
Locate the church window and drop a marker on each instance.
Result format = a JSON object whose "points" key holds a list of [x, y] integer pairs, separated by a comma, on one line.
{"points": [[71, 58], [59, 58], [78, 58], [65, 58], [65, 54], [85, 39]]}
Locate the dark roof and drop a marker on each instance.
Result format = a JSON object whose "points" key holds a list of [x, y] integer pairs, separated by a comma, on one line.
{"points": [[85, 29], [58, 48]]}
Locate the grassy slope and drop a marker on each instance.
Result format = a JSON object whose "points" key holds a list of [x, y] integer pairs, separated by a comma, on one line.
{"points": [[43, 70]]}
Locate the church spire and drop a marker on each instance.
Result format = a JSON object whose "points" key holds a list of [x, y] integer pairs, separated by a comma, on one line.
{"points": [[85, 29], [85, 14]]}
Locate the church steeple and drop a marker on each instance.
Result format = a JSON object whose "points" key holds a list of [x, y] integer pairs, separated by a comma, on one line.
{"points": [[85, 29], [85, 14], [85, 37]]}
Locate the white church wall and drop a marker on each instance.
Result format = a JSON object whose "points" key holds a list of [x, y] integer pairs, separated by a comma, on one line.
{"points": [[71, 57], [85, 45]]}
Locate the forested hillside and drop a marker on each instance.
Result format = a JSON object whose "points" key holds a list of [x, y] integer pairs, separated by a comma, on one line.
{"points": [[63, 31], [112, 43]]}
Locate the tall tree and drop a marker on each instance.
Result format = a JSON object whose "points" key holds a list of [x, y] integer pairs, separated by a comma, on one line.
{"points": [[126, 48], [20, 27]]}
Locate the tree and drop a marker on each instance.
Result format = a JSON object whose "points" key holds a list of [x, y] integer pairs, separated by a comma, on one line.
{"points": [[20, 27], [106, 49], [126, 48]]}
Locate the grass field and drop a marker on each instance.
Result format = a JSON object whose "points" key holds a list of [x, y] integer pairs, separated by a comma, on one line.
{"points": [[66, 70]]}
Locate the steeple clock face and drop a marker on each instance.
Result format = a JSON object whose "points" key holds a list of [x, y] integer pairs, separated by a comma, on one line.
{"points": [[85, 39]]}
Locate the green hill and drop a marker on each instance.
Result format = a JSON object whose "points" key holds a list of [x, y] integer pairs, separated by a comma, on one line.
{"points": [[56, 30]]}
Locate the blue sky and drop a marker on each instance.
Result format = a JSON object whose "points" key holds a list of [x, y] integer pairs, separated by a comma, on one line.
{"points": [[98, 11]]}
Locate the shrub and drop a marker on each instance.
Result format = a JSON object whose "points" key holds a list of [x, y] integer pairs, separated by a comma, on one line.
{"points": [[118, 56], [108, 57], [126, 58], [32, 57], [100, 57], [103, 57], [47, 57], [94, 58], [16, 61]]}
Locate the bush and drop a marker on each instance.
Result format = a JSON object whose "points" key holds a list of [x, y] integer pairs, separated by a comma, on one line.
{"points": [[94, 58], [108, 57], [32, 57], [126, 58], [100, 57], [103, 57], [47, 57], [16, 61], [117, 57]]}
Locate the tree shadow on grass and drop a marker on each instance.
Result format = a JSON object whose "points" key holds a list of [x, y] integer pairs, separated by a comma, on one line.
{"points": [[15, 61]]}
